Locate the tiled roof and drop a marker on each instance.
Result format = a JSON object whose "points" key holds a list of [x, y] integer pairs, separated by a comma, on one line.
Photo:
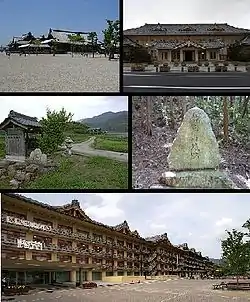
{"points": [[246, 41], [185, 29], [174, 44], [21, 119], [159, 238], [63, 36], [129, 42]]}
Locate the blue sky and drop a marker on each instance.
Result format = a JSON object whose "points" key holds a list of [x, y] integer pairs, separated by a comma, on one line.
{"points": [[19, 17]]}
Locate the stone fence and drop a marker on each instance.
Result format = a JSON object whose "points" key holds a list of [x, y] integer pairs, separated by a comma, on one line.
{"points": [[190, 67]]}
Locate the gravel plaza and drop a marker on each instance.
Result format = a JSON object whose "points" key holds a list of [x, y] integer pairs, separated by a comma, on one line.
{"points": [[148, 291], [60, 73]]}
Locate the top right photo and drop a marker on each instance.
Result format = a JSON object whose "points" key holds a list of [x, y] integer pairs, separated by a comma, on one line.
{"points": [[190, 47]]}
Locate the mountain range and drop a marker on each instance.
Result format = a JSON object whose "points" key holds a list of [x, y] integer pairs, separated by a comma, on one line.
{"points": [[109, 121]]}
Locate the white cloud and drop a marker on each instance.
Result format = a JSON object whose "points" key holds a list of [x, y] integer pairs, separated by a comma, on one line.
{"points": [[233, 12], [193, 218], [157, 226], [80, 106], [224, 222]]}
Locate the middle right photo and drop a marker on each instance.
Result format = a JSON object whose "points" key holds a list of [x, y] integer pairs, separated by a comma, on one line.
{"points": [[190, 142]]}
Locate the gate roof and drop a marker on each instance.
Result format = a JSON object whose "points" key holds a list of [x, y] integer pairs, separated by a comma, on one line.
{"points": [[23, 121]]}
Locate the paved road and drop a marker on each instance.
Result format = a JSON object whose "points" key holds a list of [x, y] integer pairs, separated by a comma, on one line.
{"points": [[160, 291], [85, 148], [186, 82]]}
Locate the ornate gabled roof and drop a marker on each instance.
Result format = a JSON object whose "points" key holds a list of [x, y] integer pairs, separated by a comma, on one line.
{"points": [[121, 226], [158, 238], [174, 44], [183, 246], [245, 41], [73, 209], [124, 228], [128, 42], [21, 120], [185, 29]]}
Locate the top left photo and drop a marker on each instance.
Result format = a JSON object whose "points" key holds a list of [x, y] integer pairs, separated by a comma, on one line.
{"points": [[51, 46]]}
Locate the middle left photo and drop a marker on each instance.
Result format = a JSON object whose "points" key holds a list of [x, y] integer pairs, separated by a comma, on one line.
{"points": [[64, 142]]}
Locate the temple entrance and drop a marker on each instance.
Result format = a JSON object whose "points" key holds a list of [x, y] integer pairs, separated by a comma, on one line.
{"points": [[189, 55]]}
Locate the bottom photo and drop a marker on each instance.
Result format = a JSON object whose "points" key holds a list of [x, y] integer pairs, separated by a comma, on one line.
{"points": [[125, 247]]}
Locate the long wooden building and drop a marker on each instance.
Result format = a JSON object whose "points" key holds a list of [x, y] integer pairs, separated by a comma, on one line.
{"points": [[42, 244]]}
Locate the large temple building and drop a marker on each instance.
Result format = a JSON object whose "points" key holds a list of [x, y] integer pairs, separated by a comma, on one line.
{"points": [[44, 244], [186, 42]]}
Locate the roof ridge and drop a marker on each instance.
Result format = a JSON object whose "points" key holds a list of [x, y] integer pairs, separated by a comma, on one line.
{"points": [[13, 114]]}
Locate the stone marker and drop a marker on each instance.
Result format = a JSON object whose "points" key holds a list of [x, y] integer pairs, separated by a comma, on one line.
{"points": [[195, 146], [194, 156]]}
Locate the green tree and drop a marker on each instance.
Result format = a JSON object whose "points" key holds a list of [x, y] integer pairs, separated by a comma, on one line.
{"points": [[235, 254], [53, 127], [76, 39], [92, 37], [112, 37]]}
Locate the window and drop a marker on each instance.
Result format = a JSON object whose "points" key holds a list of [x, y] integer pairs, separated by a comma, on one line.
{"points": [[212, 55], [166, 55], [41, 256]]}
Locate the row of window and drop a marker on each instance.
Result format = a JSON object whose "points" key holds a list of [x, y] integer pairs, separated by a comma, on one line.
{"points": [[175, 55]]}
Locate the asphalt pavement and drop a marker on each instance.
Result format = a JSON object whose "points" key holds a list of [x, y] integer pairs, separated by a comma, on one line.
{"points": [[213, 82]]}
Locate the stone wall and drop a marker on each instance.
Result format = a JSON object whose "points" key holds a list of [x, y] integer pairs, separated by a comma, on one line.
{"points": [[19, 174]]}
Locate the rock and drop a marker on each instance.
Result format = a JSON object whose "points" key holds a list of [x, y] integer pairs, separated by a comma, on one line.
{"points": [[27, 177], [2, 171], [20, 176], [3, 177], [4, 164], [43, 159], [14, 184], [36, 155], [208, 179], [195, 146], [11, 171], [19, 166], [32, 168]]}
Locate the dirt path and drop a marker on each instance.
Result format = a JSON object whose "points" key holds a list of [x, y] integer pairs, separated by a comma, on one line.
{"points": [[85, 148]]}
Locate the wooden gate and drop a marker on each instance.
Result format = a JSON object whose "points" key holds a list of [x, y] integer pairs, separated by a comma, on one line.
{"points": [[15, 142]]}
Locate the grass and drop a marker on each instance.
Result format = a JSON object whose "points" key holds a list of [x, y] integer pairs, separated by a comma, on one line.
{"points": [[78, 137], [111, 143], [79, 172], [2, 146]]}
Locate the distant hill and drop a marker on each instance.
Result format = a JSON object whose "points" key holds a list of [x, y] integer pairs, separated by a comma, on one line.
{"points": [[109, 121]]}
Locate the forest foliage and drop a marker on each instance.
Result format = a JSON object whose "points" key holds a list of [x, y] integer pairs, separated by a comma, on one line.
{"points": [[229, 115]]}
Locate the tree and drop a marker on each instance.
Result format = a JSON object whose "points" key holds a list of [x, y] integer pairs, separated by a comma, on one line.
{"points": [[92, 37], [235, 254], [225, 119], [53, 127], [112, 37], [76, 39]]}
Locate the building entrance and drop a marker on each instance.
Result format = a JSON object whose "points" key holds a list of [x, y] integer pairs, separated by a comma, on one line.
{"points": [[189, 55]]}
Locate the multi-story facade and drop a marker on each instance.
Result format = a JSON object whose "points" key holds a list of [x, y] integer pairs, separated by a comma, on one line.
{"points": [[185, 42], [43, 243]]}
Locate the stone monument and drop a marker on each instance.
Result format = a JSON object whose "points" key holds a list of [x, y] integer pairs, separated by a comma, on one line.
{"points": [[194, 156]]}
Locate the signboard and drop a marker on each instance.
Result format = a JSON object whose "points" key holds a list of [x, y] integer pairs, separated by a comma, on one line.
{"points": [[29, 224], [31, 245]]}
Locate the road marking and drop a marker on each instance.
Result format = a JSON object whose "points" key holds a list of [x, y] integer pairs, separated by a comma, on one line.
{"points": [[187, 87], [140, 75]]}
